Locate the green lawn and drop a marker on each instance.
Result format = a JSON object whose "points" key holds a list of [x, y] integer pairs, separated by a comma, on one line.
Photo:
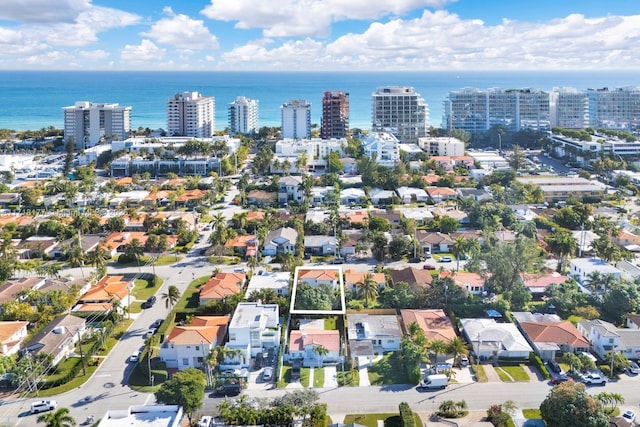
{"points": [[224, 260], [481, 375], [512, 373], [330, 324], [318, 377], [531, 413], [144, 288], [190, 298], [371, 420], [71, 385], [285, 376], [389, 370], [304, 377]]}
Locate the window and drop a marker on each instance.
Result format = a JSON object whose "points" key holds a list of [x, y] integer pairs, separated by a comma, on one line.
{"points": [[197, 348], [185, 361]]}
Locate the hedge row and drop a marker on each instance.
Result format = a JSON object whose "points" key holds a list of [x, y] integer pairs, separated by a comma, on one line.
{"points": [[406, 415], [538, 363]]}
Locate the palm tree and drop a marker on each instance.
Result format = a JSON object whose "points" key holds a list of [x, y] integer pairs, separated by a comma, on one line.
{"points": [[458, 249], [219, 221], [457, 347], [320, 352], [171, 297], [367, 288], [562, 244], [134, 250], [76, 258], [253, 263], [437, 347], [59, 418]]}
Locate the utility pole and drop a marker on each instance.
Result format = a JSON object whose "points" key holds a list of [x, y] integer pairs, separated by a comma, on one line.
{"points": [[84, 372]]}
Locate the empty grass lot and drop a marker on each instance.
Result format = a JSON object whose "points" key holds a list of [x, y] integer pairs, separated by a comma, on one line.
{"points": [[512, 373], [388, 370], [532, 413]]}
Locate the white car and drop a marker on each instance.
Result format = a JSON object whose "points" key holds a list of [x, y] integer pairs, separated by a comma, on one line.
{"points": [[205, 421], [135, 356], [267, 374], [43, 405], [593, 379], [629, 417], [633, 367]]}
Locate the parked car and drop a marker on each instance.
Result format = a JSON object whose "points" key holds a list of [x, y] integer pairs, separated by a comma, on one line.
{"points": [[630, 417], [554, 366], [151, 332], [446, 259], [135, 356], [43, 405], [228, 390], [463, 361], [429, 267], [150, 301], [337, 261], [205, 421], [267, 374], [594, 379], [157, 323], [633, 368], [557, 379]]}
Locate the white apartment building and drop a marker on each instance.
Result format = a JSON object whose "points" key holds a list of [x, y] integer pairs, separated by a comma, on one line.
{"points": [[569, 108], [243, 116], [401, 110], [314, 148], [88, 123], [442, 146], [191, 114], [614, 109], [296, 119], [475, 110], [385, 147]]}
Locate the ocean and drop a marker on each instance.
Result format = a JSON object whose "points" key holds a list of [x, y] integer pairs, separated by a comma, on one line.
{"points": [[34, 99]]}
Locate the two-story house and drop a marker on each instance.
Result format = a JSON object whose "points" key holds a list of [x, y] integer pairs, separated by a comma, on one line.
{"points": [[188, 346], [290, 189], [12, 333], [280, 241], [254, 328], [606, 337], [303, 344]]}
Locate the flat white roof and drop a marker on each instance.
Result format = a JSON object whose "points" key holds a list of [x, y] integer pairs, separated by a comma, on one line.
{"points": [[144, 416], [268, 280]]}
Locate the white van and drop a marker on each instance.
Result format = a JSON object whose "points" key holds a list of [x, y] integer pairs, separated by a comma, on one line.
{"points": [[43, 405]]}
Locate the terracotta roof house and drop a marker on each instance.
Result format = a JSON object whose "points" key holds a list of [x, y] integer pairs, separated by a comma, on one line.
{"points": [[441, 194], [434, 323], [315, 277], [116, 241], [538, 283], [221, 285], [548, 334], [303, 342], [243, 246], [12, 333], [353, 277], [186, 346], [434, 242], [412, 276], [357, 218], [190, 197], [394, 218], [472, 283], [58, 338], [255, 216], [101, 296]]}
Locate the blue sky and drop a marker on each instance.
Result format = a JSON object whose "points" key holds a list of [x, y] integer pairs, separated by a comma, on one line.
{"points": [[320, 35]]}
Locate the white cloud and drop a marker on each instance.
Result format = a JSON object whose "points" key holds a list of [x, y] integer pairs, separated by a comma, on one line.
{"points": [[42, 11], [182, 32], [94, 55], [441, 40], [307, 17], [146, 51]]}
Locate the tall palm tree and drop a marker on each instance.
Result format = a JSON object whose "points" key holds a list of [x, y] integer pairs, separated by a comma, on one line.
{"points": [[76, 258], [562, 244], [457, 347], [458, 249], [253, 263], [171, 297], [321, 352], [59, 418], [134, 250], [219, 221], [367, 288]]}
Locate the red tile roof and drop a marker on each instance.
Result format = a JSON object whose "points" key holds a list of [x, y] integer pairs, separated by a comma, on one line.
{"points": [[555, 332], [299, 339], [435, 324]]}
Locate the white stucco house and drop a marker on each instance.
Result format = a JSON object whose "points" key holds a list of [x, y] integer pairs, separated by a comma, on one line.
{"points": [[276, 281], [188, 346], [582, 268], [490, 339], [280, 241], [254, 328], [412, 195], [605, 337]]}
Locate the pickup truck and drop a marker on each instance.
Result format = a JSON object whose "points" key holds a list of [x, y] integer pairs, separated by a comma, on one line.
{"points": [[594, 379]]}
